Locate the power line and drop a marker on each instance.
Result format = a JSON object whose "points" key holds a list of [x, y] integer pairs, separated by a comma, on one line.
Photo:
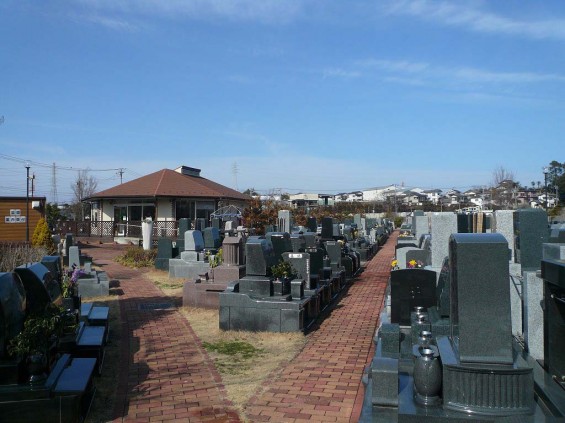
{"points": [[31, 162]]}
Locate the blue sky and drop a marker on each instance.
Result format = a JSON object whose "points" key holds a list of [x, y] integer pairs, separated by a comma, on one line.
{"points": [[311, 95]]}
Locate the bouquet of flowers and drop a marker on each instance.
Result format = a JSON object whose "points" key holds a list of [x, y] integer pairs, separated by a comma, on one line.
{"points": [[413, 264], [394, 265]]}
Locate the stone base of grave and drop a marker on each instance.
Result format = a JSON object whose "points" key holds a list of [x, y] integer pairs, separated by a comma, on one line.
{"points": [[224, 274], [179, 268], [272, 313], [96, 284], [202, 294]]}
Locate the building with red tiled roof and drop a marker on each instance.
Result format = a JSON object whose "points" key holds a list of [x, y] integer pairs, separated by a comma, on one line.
{"points": [[165, 195]]}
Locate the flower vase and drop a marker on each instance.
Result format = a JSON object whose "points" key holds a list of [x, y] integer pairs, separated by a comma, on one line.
{"points": [[427, 378], [36, 367]]}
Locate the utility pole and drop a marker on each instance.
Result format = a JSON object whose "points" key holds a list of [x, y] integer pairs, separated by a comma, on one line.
{"points": [[27, 201], [121, 172]]}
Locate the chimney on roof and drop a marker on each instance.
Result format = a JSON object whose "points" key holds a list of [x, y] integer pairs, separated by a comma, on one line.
{"points": [[188, 171]]}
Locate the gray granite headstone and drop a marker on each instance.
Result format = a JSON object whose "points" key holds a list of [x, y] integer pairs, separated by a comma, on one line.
{"points": [[533, 314], [301, 264], [74, 256], [259, 256], [420, 225], [185, 224], [504, 225], [12, 309], [531, 230], [443, 225], [284, 221], [422, 256], [480, 298], [211, 237], [193, 241]]}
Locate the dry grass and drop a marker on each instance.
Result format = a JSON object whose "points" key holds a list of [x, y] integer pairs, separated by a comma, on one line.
{"points": [[104, 400], [243, 377], [171, 287]]}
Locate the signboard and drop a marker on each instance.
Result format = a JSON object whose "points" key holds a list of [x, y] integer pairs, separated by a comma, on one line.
{"points": [[15, 217]]}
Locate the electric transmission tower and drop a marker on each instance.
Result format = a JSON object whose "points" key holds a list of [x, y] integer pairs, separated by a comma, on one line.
{"points": [[234, 171], [54, 185]]}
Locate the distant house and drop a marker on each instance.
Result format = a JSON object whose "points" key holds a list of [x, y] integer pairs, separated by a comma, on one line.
{"points": [[15, 221], [433, 195], [165, 195], [311, 200]]}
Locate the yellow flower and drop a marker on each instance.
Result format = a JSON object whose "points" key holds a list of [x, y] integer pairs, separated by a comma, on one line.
{"points": [[412, 262], [394, 263]]}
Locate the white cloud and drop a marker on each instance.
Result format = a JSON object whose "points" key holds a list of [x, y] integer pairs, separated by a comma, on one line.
{"points": [[264, 11], [462, 15], [419, 73], [340, 73]]}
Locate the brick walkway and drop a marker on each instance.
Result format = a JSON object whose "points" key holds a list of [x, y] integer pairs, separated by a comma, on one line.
{"points": [[168, 376], [323, 383]]}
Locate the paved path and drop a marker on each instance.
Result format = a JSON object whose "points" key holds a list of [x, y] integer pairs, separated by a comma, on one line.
{"points": [[323, 383], [168, 376]]}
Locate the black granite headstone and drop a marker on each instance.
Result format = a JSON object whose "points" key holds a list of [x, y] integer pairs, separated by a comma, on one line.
{"points": [[410, 288], [40, 286], [12, 309], [312, 224], [327, 228]]}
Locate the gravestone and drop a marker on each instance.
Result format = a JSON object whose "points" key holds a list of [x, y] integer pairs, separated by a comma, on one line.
{"points": [[192, 262], [531, 231], [504, 225], [40, 287], [260, 256], [463, 223], [12, 311], [164, 253], [312, 224], [410, 288], [298, 242], [284, 221], [553, 275], [479, 297], [74, 257], [419, 255], [232, 267], [211, 236], [200, 224], [420, 225], [281, 243], [443, 225], [185, 224], [327, 229], [533, 323]]}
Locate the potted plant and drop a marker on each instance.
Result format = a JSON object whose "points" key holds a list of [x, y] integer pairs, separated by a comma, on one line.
{"points": [[283, 270], [34, 342]]}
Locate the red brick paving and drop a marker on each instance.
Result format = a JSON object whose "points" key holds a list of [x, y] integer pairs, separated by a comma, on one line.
{"points": [[167, 375], [323, 383]]}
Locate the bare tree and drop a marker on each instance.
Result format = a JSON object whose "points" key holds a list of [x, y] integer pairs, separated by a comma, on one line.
{"points": [[504, 188], [83, 187], [501, 174]]}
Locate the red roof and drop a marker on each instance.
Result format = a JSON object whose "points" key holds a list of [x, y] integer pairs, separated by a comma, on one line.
{"points": [[169, 183]]}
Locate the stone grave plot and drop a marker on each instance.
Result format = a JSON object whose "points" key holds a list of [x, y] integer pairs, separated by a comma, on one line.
{"points": [[257, 302], [474, 370], [39, 380], [204, 291], [261, 302], [192, 262]]}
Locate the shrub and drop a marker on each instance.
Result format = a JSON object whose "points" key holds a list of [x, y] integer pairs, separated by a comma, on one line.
{"points": [[42, 236], [137, 257], [13, 255]]}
